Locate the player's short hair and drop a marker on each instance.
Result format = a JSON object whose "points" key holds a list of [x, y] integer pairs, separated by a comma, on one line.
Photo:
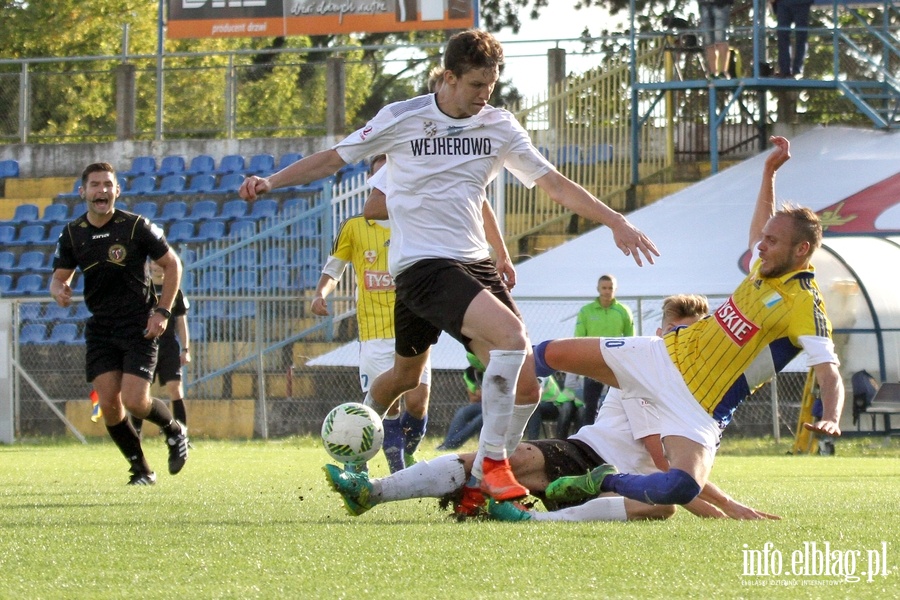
{"points": [[97, 167], [608, 278], [683, 306], [472, 49], [435, 77], [807, 226]]}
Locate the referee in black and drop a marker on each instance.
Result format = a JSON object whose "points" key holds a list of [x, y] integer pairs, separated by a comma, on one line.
{"points": [[111, 247]]}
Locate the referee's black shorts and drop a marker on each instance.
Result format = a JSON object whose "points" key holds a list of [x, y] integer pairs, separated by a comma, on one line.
{"points": [[433, 295], [127, 351], [168, 363]]}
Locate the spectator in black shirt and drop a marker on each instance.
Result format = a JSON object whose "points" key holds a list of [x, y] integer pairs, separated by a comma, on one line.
{"points": [[111, 248]]}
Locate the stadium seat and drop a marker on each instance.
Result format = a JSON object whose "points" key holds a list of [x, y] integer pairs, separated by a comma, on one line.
{"points": [[570, 154], [9, 168], [201, 164], [7, 234], [245, 309], [209, 231], [146, 209], [173, 210], [30, 234], [71, 194], [288, 159], [242, 228], [53, 234], [77, 285], [55, 213], [308, 277], [140, 185], [265, 208], [28, 284], [180, 231], [307, 229], [314, 187], [30, 311], [7, 261], [170, 184], [307, 256], [244, 281], [188, 285], [202, 211], [261, 164], [32, 261], [243, 258], [213, 280], [64, 333], [276, 279], [293, 207], [275, 256], [6, 281], [80, 312], [598, 153], [53, 312], [187, 256], [24, 213], [171, 165], [229, 184], [231, 163], [233, 209], [140, 165], [33, 333], [78, 210], [201, 184]]}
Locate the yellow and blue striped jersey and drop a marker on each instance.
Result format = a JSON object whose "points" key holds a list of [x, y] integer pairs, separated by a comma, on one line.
{"points": [[748, 339], [365, 244]]}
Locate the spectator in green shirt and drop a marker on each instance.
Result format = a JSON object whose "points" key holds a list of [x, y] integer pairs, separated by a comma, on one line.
{"points": [[604, 317]]}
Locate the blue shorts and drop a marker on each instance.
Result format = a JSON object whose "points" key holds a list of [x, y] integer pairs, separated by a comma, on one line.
{"points": [[714, 23]]}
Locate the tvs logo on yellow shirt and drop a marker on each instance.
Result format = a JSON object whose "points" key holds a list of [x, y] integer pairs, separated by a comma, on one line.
{"points": [[738, 327]]}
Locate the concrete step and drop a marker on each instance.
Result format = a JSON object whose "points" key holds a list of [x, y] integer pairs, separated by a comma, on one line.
{"points": [[38, 187]]}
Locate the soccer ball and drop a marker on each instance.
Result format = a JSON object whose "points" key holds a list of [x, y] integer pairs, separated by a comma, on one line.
{"points": [[352, 433]]}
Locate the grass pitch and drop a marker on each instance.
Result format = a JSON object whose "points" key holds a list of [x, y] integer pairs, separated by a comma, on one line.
{"points": [[257, 520]]}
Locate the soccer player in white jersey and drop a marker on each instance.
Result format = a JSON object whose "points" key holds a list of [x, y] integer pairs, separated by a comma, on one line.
{"points": [[697, 376], [443, 150], [626, 434]]}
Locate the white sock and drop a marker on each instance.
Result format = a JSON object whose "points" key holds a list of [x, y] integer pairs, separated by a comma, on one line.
{"points": [[425, 479], [498, 396], [611, 508], [520, 417]]}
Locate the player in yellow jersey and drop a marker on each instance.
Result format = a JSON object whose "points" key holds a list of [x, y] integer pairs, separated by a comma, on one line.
{"points": [[697, 376], [364, 244]]}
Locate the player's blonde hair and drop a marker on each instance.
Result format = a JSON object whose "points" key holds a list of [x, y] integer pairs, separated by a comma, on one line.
{"points": [[807, 226], [683, 306], [435, 78]]}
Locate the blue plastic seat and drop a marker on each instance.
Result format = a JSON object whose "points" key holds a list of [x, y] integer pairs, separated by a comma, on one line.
{"points": [[209, 231], [146, 209], [569, 154], [244, 281], [242, 228], [28, 285], [173, 210], [187, 256], [180, 231], [55, 213], [140, 165], [54, 312], [229, 183], [53, 234], [202, 210], [30, 234], [307, 256], [189, 285], [233, 209], [25, 213], [598, 153], [73, 193], [202, 184], [261, 164], [80, 312], [243, 258], [265, 208], [7, 261], [140, 185], [33, 333], [307, 229], [308, 277], [213, 280], [231, 163], [293, 207], [243, 309], [170, 184], [171, 165], [276, 279], [7, 234], [64, 333], [78, 210], [6, 281], [9, 168], [288, 159], [77, 285], [30, 311], [200, 164], [276, 256], [31, 262]]}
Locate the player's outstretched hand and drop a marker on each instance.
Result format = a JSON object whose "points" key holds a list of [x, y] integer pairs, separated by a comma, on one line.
{"points": [[824, 428], [633, 242], [736, 510], [780, 154], [254, 186], [507, 273]]}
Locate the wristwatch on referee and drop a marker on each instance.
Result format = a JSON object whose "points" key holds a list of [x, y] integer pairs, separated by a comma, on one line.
{"points": [[163, 311]]}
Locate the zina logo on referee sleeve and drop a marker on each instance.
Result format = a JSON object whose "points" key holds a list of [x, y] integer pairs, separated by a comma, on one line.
{"points": [[738, 327]]}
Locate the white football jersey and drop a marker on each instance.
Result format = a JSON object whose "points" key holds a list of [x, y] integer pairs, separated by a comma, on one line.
{"points": [[437, 171]]}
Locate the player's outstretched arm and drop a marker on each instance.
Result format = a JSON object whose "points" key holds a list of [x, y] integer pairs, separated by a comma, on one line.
{"points": [[765, 200], [727, 506], [306, 170], [629, 239], [492, 233]]}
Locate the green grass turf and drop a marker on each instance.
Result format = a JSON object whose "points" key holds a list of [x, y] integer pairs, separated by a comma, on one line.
{"points": [[256, 520]]}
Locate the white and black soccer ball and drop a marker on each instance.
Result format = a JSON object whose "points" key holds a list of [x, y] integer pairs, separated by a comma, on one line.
{"points": [[352, 433]]}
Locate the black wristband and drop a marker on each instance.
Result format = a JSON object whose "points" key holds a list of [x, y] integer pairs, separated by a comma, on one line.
{"points": [[163, 311]]}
